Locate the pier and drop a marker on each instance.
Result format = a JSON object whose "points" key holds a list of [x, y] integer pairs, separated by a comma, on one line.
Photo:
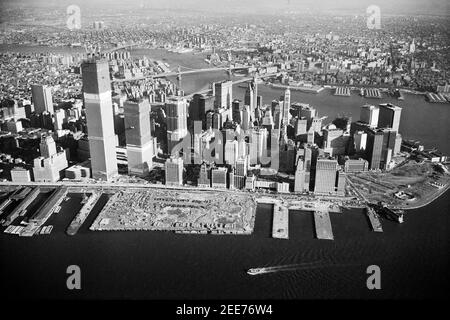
{"points": [[83, 214], [323, 225], [372, 93], [280, 227], [374, 220], [342, 91], [21, 208], [44, 212]]}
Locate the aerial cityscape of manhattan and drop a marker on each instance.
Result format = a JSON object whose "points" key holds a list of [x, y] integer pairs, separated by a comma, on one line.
{"points": [[224, 149]]}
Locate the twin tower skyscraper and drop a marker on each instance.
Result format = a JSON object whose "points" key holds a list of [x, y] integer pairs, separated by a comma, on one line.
{"points": [[100, 125]]}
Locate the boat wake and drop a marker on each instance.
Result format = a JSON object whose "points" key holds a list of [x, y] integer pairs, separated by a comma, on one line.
{"points": [[289, 267]]}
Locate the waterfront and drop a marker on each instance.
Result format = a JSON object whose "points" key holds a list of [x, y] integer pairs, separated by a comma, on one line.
{"points": [[413, 256]]}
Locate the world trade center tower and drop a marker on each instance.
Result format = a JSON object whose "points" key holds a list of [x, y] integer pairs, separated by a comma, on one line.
{"points": [[100, 122]]}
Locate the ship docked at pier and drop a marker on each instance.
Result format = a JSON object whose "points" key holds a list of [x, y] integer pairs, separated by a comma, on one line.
{"points": [[391, 214]]}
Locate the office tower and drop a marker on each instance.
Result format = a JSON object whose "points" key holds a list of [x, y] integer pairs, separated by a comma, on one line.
{"points": [[49, 167], [310, 135], [259, 101], [258, 145], [316, 124], [267, 121], [224, 94], [199, 106], [176, 113], [380, 147], [249, 97], [246, 117], [203, 180], [360, 141], [369, 114], [47, 146], [334, 141], [286, 106], [219, 177], [174, 171], [100, 120], [236, 111], [42, 98], [60, 119], [255, 94], [301, 184], [389, 116], [301, 126], [287, 155], [241, 166], [231, 151], [374, 148], [340, 183], [326, 174], [138, 137], [277, 114]]}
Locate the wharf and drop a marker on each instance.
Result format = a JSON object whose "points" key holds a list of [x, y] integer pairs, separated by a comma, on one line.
{"points": [[44, 212], [374, 220], [342, 91], [280, 227], [323, 225], [21, 208], [83, 214]]}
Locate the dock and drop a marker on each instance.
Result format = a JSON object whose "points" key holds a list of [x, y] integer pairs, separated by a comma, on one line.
{"points": [[323, 225], [280, 227], [342, 91], [44, 212], [374, 220], [21, 208], [83, 214]]}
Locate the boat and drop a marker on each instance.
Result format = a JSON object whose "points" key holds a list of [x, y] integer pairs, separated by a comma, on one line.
{"points": [[255, 271], [391, 214]]}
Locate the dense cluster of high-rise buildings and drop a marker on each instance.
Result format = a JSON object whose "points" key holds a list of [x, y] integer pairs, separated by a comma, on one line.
{"points": [[284, 146]]}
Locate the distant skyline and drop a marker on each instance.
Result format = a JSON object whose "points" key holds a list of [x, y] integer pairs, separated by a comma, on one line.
{"points": [[433, 7]]}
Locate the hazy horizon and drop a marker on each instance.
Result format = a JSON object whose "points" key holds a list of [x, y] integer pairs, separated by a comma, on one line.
{"points": [[399, 7]]}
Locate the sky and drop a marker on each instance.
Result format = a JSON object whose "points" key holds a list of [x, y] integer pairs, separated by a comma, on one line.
{"points": [[434, 7]]}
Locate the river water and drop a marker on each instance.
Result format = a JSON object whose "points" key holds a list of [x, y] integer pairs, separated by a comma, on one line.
{"points": [[413, 257]]}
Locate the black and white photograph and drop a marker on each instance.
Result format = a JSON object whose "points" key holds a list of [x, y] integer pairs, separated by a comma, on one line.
{"points": [[224, 156]]}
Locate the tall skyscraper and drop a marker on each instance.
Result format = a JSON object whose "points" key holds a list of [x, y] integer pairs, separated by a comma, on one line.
{"points": [[224, 94], [176, 113], [138, 137], [369, 114], [380, 147], [100, 119], [237, 111], [249, 97], [286, 106], [47, 147], [389, 116], [42, 98]]}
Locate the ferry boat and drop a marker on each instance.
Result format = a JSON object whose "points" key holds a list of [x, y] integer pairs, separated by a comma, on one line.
{"points": [[255, 271]]}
